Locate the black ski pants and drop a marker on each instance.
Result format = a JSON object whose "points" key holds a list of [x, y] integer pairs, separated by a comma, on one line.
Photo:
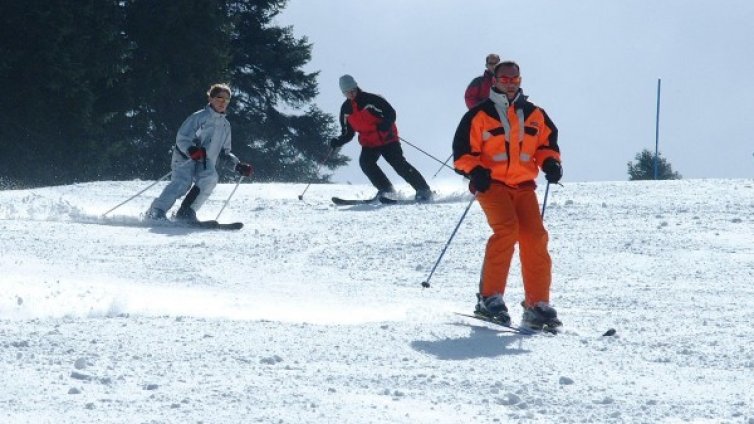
{"points": [[393, 154]]}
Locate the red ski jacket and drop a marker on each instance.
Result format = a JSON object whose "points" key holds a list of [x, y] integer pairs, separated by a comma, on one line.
{"points": [[478, 89], [372, 117]]}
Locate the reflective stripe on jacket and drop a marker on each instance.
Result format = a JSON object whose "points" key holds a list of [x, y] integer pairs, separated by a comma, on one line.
{"points": [[513, 150]]}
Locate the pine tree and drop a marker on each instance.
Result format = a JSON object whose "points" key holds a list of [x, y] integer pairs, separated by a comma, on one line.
{"points": [[644, 168], [180, 48], [268, 77], [177, 50], [98, 89], [60, 68]]}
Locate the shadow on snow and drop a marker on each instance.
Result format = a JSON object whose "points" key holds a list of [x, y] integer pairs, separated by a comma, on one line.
{"points": [[483, 342]]}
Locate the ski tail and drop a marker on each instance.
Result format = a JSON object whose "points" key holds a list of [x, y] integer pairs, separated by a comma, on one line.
{"points": [[347, 202]]}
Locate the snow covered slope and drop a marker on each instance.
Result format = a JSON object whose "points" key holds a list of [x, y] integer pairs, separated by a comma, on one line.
{"points": [[314, 313]]}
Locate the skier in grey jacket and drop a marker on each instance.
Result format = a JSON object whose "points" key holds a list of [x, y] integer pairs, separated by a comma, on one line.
{"points": [[202, 138]]}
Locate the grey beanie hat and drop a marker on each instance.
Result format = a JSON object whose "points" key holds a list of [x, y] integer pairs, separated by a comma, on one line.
{"points": [[347, 83]]}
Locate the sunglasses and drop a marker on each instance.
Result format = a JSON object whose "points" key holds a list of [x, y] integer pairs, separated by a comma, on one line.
{"points": [[509, 80], [222, 99]]}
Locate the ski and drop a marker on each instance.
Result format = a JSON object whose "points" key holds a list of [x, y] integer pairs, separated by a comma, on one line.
{"points": [[527, 331], [388, 201], [497, 326], [375, 200], [204, 225], [511, 328], [348, 202], [214, 225]]}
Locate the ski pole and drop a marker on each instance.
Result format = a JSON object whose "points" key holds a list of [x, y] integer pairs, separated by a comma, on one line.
{"points": [[425, 283], [443, 164], [137, 194], [544, 201], [231, 195], [419, 149], [301, 196]]}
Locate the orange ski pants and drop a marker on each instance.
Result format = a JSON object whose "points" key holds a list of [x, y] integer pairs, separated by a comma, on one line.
{"points": [[513, 214]]}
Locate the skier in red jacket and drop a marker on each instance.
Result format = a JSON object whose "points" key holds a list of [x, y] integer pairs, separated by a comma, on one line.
{"points": [[374, 119], [479, 88]]}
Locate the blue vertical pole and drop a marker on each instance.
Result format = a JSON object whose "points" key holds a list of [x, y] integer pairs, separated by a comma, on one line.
{"points": [[657, 130]]}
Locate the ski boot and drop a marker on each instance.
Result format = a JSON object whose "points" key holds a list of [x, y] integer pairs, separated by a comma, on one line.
{"points": [[387, 193], [492, 308], [540, 317], [186, 215], [423, 195], [156, 214]]}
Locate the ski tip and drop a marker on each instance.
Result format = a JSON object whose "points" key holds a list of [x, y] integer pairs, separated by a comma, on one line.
{"points": [[352, 202], [230, 226], [610, 332]]}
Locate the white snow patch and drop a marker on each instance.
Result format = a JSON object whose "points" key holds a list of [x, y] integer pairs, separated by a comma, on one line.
{"points": [[314, 313]]}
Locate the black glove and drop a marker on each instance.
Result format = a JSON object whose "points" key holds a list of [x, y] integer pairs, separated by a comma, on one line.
{"points": [[385, 126], [481, 179], [552, 169], [244, 169], [336, 142], [197, 153]]}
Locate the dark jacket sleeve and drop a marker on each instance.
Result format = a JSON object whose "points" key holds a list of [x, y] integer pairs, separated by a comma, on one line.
{"points": [[379, 107], [461, 139], [552, 139], [346, 131], [548, 147]]}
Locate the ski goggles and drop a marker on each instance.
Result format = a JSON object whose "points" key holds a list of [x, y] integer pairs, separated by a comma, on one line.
{"points": [[508, 80]]}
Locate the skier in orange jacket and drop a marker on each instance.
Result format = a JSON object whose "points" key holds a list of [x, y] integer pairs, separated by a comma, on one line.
{"points": [[500, 145]]}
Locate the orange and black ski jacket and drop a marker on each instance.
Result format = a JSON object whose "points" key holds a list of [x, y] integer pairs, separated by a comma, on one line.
{"points": [[363, 114], [513, 158]]}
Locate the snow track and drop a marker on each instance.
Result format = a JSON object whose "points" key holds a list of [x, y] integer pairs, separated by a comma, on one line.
{"points": [[315, 313]]}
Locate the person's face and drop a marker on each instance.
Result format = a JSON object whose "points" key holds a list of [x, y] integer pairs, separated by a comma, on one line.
{"points": [[508, 80], [491, 62], [220, 102], [351, 94]]}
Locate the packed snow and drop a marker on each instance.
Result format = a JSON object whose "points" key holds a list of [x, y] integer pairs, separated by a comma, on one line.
{"points": [[315, 313]]}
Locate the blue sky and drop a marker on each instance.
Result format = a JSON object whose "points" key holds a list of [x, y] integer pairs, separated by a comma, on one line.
{"points": [[593, 65]]}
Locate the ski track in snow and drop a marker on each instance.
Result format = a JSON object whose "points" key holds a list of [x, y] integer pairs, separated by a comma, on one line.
{"points": [[315, 313]]}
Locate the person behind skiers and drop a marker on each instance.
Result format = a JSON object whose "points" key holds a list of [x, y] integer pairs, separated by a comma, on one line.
{"points": [[479, 88], [500, 144], [202, 138], [374, 119]]}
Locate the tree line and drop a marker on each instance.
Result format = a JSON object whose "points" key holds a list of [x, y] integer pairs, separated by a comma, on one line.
{"points": [[97, 89]]}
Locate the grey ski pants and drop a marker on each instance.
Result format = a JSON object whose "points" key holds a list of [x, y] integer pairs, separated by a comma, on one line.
{"points": [[186, 172]]}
